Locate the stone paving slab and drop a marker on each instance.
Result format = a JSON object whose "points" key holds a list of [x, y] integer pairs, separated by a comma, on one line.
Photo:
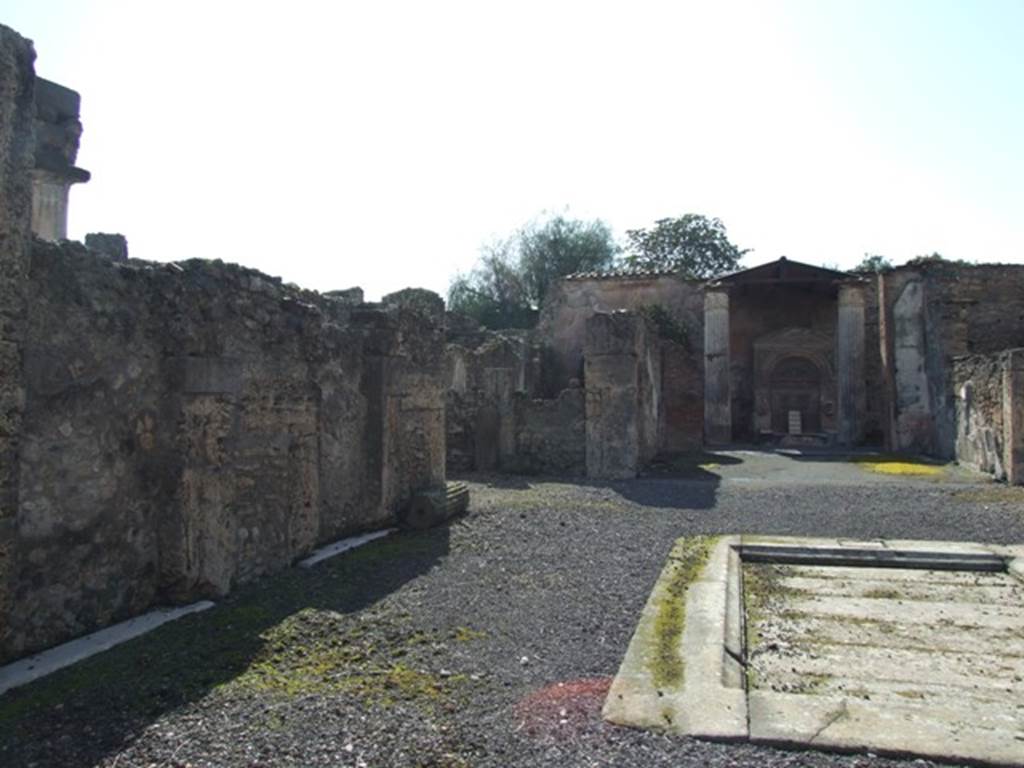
{"points": [[852, 724], [908, 661]]}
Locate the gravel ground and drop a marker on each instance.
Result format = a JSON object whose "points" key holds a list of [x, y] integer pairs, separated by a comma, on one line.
{"points": [[489, 642]]}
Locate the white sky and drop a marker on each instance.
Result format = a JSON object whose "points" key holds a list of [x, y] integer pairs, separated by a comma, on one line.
{"points": [[380, 143]]}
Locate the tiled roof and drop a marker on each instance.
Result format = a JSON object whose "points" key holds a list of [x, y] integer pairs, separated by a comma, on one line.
{"points": [[621, 272]]}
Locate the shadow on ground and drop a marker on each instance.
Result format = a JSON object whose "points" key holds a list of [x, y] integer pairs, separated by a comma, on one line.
{"points": [[104, 703], [671, 481]]}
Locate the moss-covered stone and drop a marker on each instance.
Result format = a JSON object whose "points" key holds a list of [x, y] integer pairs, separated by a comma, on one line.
{"points": [[686, 561]]}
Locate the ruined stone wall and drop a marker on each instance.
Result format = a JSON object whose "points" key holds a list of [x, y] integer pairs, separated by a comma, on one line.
{"points": [[572, 302], [873, 430], [414, 387], [989, 413], [934, 312], [682, 398], [978, 384], [623, 394], [189, 427], [551, 434], [484, 371], [16, 116], [493, 420]]}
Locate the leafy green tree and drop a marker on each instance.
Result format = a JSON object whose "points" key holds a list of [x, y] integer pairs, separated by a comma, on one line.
{"points": [[493, 293], [692, 244], [873, 262], [510, 280], [552, 248]]}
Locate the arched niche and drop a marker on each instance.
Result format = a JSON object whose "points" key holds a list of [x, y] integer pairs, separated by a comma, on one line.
{"points": [[794, 371]]}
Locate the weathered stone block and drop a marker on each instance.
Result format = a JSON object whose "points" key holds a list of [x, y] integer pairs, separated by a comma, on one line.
{"points": [[114, 246], [1013, 415]]}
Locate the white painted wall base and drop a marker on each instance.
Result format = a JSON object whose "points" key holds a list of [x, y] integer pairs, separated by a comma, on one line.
{"points": [[343, 546], [31, 668]]}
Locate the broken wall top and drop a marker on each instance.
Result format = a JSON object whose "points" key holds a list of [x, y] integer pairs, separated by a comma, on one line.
{"points": [[58, 130]]}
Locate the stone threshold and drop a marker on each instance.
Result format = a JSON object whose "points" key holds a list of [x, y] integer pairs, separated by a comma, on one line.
{"points": [[709, 696]]}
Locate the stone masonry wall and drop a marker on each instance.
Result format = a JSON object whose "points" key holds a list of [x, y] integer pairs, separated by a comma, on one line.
{"points": [[189, 427], [990, 413], [572, 302], [484, 373], [934, 312], [874, 405], [16, 116], [978, 383], [551, 434], [493, 421], [623, 390]]}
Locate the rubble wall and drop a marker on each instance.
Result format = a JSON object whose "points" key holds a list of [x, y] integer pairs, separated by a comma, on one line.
{"points": [[572, 302], [989, 413], [16, 116], [935, 311], [189, 427], [978, 384], [483, 374], [551, 434], [873, 429], [623, 394]]}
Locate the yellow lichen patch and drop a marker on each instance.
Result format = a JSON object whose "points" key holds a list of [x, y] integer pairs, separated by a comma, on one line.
{"points": [[898, 465], [686, 562]]}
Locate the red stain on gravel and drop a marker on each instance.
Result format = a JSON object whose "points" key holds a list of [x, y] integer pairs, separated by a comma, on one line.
{"points": [[563, 708]]}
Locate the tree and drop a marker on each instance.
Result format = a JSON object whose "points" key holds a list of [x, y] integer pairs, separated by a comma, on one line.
{"points": [[873, 262], [493, 293], [557, 247], [692, 244], [512, 277]]}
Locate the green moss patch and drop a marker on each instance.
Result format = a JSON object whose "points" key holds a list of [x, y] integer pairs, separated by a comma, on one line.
{"points": [[294, 631], [323, 652], [994, 493], [686, 561]]}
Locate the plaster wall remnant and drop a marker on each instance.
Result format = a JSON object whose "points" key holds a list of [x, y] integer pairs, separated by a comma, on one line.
{"points": [[623, 381], [1013, 415], [571, 302], [913, 401], [978, 382], [850, 364], [717, 374]]}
